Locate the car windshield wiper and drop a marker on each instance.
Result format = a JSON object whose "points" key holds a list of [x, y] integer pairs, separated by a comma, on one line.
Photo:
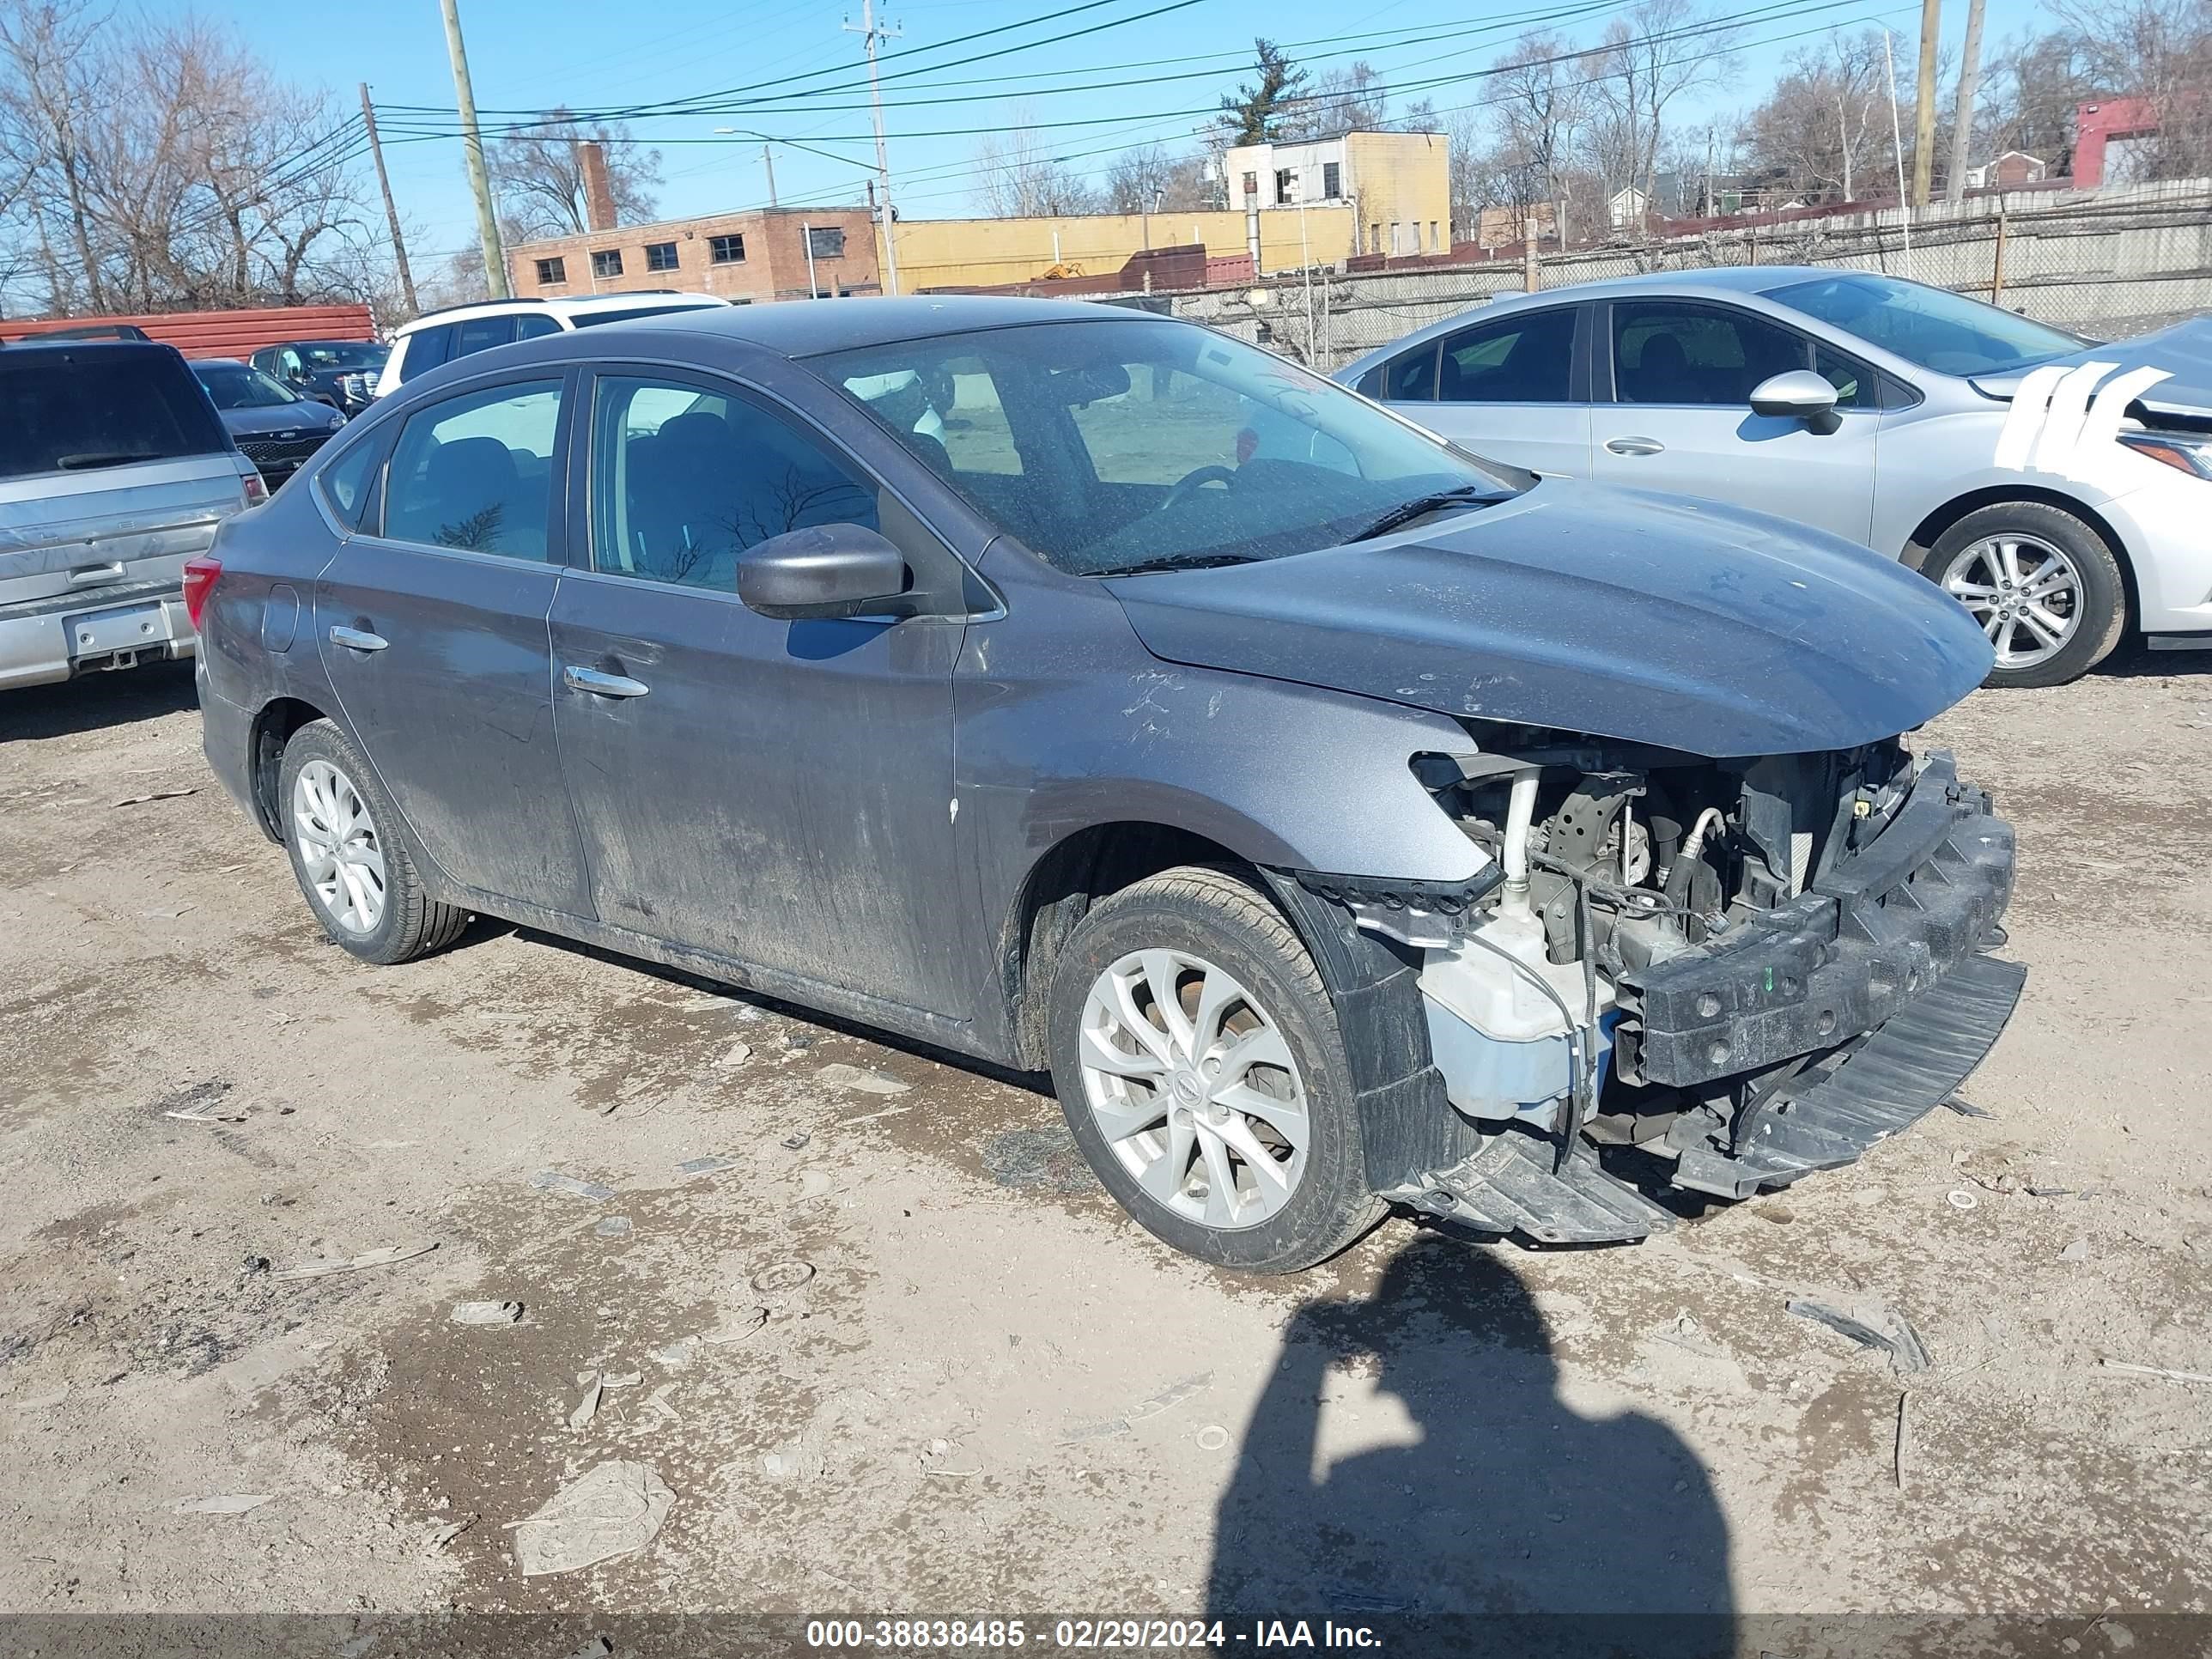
{"points": [[1406, 512], [99, 458], [1200, 562]]}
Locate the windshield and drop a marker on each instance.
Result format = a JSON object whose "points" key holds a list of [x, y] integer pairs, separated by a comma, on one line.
{"points": [[1947, 332], [342, 354], [1107, 447], [234, 386]]}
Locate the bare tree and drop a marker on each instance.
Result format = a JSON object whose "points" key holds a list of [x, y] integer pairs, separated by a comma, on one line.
{"points": [[1349, 100], [1538, 105], [1650, 57], [158, 164], [1823, 132], [2161, 51], [1016, 178], [538, 176], [1150, 180]]}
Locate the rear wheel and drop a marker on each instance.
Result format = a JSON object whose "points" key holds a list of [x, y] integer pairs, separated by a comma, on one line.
{"points": [[2040, 583], [340, 829], [1197, 1057]]}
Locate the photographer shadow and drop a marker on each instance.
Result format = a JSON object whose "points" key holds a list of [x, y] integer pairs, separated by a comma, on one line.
{"points": [[1502, 1521]]}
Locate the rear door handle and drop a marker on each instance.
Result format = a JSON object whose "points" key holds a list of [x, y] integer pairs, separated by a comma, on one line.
{"points": [[1635, 445], [602, 685], [354, 639]]}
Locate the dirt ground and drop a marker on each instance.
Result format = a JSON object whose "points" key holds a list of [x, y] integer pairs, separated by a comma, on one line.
{"points": [[992, 1394]]}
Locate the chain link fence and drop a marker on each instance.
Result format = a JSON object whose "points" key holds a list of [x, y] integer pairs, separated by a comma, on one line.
{"points": [[2105, 263]]}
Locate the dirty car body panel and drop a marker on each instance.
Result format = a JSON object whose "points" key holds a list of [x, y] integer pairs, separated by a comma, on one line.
{"points": [[1586, 807]]}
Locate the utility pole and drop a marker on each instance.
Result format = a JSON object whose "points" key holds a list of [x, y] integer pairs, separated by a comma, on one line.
{"points": [[391, 213], [768, 163], [1897, 145], [870, 34], [495, 257], [1923, 104], [1962, 116]]}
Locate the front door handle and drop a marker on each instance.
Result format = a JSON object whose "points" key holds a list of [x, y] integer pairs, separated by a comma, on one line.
{"points": [[1635, 445], [354, 639], [602, 685]]}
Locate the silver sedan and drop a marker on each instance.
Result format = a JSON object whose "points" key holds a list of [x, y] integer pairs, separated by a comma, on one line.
{"points": [[2057, 488]]}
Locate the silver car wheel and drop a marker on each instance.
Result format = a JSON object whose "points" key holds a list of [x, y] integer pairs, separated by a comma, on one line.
{"points": [[2024, 592], [1195, 1089], [338, 847]]}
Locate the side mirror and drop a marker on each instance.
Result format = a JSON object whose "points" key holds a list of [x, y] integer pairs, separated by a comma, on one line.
{"points": [[1797, 394], [826, 570]]}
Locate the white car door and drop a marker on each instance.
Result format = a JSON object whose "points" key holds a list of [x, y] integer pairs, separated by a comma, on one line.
{"points": [[1679, 375], [1504, 388]]}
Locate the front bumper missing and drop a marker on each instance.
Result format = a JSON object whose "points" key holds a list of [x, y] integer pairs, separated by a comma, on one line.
{"points": [[1859, 945], [1830, 1114]]}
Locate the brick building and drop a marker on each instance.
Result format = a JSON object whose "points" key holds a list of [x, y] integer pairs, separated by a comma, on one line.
{"points": [[749, 256]]}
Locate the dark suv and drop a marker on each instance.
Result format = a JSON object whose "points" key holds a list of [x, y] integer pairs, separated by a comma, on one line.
{"points": [[340, 372], [1341, 819]]}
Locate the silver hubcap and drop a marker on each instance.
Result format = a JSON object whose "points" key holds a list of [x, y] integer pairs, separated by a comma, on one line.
{"points": [[2025, 593], [1195, 1089], [338, 847]]}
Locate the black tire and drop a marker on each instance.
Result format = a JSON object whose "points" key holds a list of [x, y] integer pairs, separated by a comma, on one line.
{"points": [[2102, 615], [411, 923], [1212, 914]]}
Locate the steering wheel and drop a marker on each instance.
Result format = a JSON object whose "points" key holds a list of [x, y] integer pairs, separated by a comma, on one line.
{"points": [[1191, 483]]}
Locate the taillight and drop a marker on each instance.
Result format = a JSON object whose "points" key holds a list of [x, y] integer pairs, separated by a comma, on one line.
{"points": [[256, 491], [200, 575]]}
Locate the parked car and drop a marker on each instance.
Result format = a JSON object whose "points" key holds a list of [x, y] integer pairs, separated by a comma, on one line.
{"points": [[1341, 819], [273, 426], [439, 337], [2055, 489], [113, 471], [340, 371]]}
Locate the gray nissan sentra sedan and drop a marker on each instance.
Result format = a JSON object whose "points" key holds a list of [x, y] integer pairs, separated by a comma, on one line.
{"points": [[1341, 819]]}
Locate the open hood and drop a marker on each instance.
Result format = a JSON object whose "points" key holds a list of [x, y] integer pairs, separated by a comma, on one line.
{"points": [[2184, 351], [1619, 613]]}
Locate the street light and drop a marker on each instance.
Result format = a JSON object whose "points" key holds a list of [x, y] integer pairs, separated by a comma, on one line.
{"points": [[768, 161]]}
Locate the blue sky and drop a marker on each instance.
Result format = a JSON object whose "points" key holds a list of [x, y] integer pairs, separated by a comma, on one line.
{"points": [[528, 54]]}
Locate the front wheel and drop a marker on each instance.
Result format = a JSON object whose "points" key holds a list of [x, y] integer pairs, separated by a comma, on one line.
{"points": [[1197, 1057], [2041, 584]]}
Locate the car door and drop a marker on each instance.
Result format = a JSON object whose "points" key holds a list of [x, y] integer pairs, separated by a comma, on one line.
{"points": [[778, 792], [1673, 413], [1511, 387], [432, 627]]}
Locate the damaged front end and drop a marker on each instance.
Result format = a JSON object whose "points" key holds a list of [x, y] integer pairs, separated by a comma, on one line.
{"points": [[1747, 970]]}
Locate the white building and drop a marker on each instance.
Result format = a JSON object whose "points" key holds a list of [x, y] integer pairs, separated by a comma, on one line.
{"points": [[1397, 184]]}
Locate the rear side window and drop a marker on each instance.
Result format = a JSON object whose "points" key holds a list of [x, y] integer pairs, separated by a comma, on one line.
{"points": [[71, 411], [1521, 359], [476, 472], [1411, 379], [345, 482], [482, 334], [532, 324], [425, 349]]}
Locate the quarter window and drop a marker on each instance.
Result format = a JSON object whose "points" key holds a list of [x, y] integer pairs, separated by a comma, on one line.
{"points": [[607, 262], [1519, 359], [345, 482], [424, 349], [1682, 353], [1411, 379], [685, 479], [476, 472], [660, 256], [727, 250]]}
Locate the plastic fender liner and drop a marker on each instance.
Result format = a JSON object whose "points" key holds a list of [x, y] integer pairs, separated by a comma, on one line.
{"points": [[1407, 1126]]}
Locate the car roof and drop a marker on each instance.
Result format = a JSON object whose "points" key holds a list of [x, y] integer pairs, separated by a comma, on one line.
{"points": [[582, 305], [199, 363], [807, 328], [1725, 282]]}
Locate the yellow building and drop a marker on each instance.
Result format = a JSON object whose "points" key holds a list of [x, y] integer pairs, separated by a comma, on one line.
{"points": [[990, 253], [1397, 186]]}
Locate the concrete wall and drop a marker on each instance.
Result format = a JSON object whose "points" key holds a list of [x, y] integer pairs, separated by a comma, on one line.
{"points": [[987, 252], [774, 266]]}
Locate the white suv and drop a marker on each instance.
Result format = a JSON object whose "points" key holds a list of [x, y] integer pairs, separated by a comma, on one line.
{"points": [[439, 337]]}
